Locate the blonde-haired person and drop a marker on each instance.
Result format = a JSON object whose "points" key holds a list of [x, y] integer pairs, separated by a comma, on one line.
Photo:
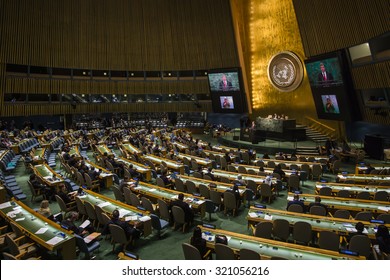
{"points": [[44, 208]]}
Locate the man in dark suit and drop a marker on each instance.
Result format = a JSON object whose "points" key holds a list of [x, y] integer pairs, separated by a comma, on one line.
{"points": [[296, 201], [189, 215], [224, 84], [131, 231], [324, 76]]}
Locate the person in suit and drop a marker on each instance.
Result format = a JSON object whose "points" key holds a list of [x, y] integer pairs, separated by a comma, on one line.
{"points": [[209, 170], [130, 230], [383, 239], [224, 84], [236, 193], [359, 231], [324, 76], [296, 201], [189, 215], [69, 223], [317, 202]]}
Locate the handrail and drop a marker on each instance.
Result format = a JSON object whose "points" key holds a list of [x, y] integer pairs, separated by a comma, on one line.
{"points": [[324, 125]]}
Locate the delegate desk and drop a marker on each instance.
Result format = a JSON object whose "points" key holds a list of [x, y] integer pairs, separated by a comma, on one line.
{"points": [[130, 148], [180, 146], [102, 149], [363, 178], [219, 186], [318, 223], [233, 176], [353, 205], [224, 149], [39, 155], [74, 151], [106, 176], [361, 168], [268, 248], [48, 175], [143, 169], [288, 163], [129, 213], [154, 193], [201, 161], [352, 188], [267, 170], [179, 167], [43, 231]]}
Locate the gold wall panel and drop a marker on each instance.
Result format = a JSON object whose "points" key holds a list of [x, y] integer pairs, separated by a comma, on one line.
{"points": [[273, 28]]}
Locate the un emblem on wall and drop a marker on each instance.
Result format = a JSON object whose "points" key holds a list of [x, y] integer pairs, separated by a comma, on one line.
{"points": [[285, 71]]}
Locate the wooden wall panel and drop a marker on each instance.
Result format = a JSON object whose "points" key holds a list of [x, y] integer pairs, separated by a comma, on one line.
{"points": [[330, 25], [372, 75], [118, 34]]}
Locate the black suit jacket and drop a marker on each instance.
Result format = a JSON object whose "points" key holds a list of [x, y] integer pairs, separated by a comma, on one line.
{"points": [[329, 77], [222, 86], [189, 215]]}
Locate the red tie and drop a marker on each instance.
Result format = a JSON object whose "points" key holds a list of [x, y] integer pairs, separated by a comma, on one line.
{"points": [[324, 77]]}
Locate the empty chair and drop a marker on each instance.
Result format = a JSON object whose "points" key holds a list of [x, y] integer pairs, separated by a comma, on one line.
{"points": [[230, 202], [343, 193], [242, 170], [247, 254], [91, 213], [210, 207], [317, 210], [329, 240], [232, 168], [266, 192], [118, 194], [271, 164], [164, 210], [216, 198], [302, 232], [224, 252], [158, 224], [179, 218], [192, 253], [363, 216], [325, 191], [381, 196], [148, 205], [179, 185], [263, 230], [191, 187], [35, 192], [335, 167], [342, 214], [294, 167], [197, 174], [316, 172], [118, 235], [91, 185], [65, 207], [384, 217], [20, 250], [260, 163], [363, 195], [126, 195], [281, 229], [360, 244], [81, 208], [86, 248], [160, 182], [207, 177], [134, 200], [295, 208], [303, 175], [252, 172], [204, 191], [293, 183]]}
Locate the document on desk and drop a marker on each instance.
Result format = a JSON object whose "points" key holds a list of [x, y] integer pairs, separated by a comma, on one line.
{"points": [[85, 224], [252, 214], [131, 218], [106, 203], [123, 212], [20, 219], [384, 208], [152, 190], [41, 230], [55, 240], [268, 217], [5, 205], [144, 218]]}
